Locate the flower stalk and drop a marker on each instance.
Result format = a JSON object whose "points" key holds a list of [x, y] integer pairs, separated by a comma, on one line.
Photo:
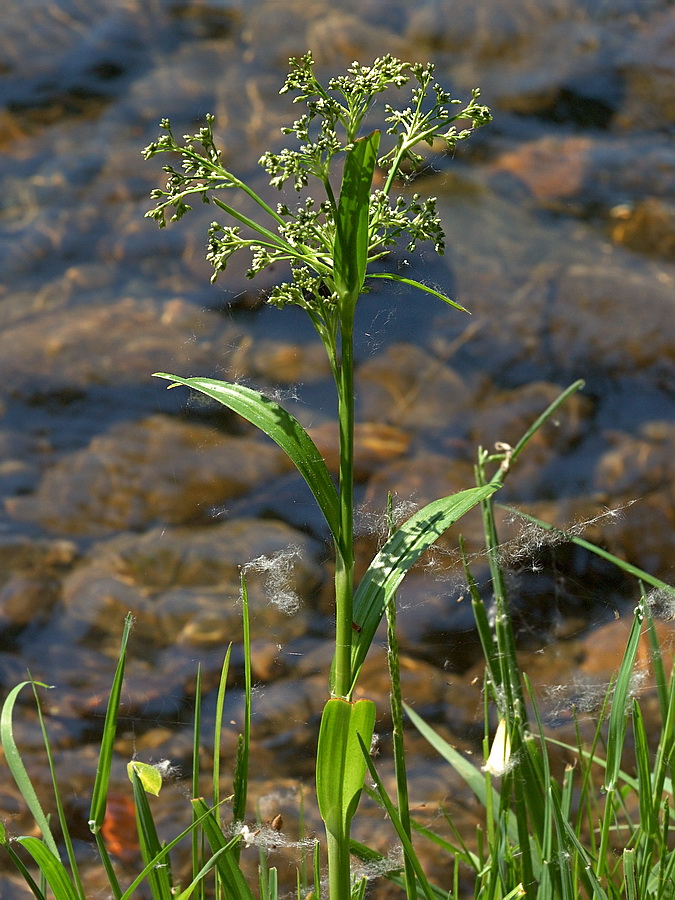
{"points": [[330, 243]]}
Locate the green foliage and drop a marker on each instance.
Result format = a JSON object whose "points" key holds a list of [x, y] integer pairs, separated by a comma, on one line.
{"points": [[340, 766]]}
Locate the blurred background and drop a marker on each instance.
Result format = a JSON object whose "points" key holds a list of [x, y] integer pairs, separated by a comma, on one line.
{"points": [[117, 496]]}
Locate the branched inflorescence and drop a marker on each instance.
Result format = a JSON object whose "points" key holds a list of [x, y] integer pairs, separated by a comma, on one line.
{"points": [[304, 237]]}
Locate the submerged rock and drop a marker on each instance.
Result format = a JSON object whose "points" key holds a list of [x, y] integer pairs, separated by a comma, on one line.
{"points": [[408, 387], [183, 585], [157, 470], [119, 343]]}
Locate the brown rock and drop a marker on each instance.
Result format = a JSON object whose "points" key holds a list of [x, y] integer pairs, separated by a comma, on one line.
{"points": [[638, 464], [374, 444], [648, 227], [183, 585], [288, 363], [550, 167], [594, 320], [120, 342], [409, 387], [605, 647], [158, 469], [648, 68], [505, 416]]}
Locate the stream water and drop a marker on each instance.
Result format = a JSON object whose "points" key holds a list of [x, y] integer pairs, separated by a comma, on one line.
{"points": [[116, 495]]}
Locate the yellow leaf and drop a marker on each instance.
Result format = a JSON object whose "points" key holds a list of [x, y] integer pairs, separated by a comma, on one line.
{"points": [[148, 776]]}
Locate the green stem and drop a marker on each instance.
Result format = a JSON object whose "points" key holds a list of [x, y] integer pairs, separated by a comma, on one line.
{"points": [[339, 867], [344, 563]]}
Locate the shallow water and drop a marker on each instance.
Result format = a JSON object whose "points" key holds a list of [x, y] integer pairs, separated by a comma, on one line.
{"points": [[560, 219]]}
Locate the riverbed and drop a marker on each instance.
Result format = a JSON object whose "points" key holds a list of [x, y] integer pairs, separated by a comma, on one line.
{"points": [[117, 495]]}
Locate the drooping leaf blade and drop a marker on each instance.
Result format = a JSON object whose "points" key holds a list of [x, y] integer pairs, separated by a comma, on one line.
{"points": [[471, 774], [350, 251], [622, 564], [401, 551], [420, 286], [130, 892], [18, 770], [340, 766], [284, 430], [60, 808], [51, 867], [21, 867]]}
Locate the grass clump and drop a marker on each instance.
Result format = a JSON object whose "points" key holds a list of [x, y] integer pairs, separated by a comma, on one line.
{"points": [[542, 837]]}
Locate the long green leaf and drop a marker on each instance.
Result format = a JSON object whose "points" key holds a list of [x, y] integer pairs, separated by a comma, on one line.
{"points": [[420, 286], [218, 729], [161, 856], [284, 430], [99, 795], [350, 252], [567, 834], [622, 564], [51, 868], [17, 768], [340, 766], [235, 883], [648, 808], [404, 838], [200, 876], [159, 878], [241, 772], [63, 819], [629, 874], [473, 777], [401, 551], [20, 865], [618, 717]]}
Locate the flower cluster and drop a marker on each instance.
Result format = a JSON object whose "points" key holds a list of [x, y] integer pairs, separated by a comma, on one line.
{"points": [[305, 237]]}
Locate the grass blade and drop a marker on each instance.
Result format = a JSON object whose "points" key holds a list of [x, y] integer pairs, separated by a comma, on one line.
{"points": [[63, 821], [618, 716], [473, 777], [218, 728], [20, 865], [159, 877], [396, 706], [622, 564], [198, 879], [240, 780], [51, 868], [408, 848], [196, 843], [164, 852], [100, 791], [236, 886]]}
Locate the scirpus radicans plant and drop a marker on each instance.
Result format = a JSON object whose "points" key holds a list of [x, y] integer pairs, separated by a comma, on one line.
{"points": [[331, 243]]}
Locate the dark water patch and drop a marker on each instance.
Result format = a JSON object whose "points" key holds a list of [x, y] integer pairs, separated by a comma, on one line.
{"points": [[583, 110]]}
